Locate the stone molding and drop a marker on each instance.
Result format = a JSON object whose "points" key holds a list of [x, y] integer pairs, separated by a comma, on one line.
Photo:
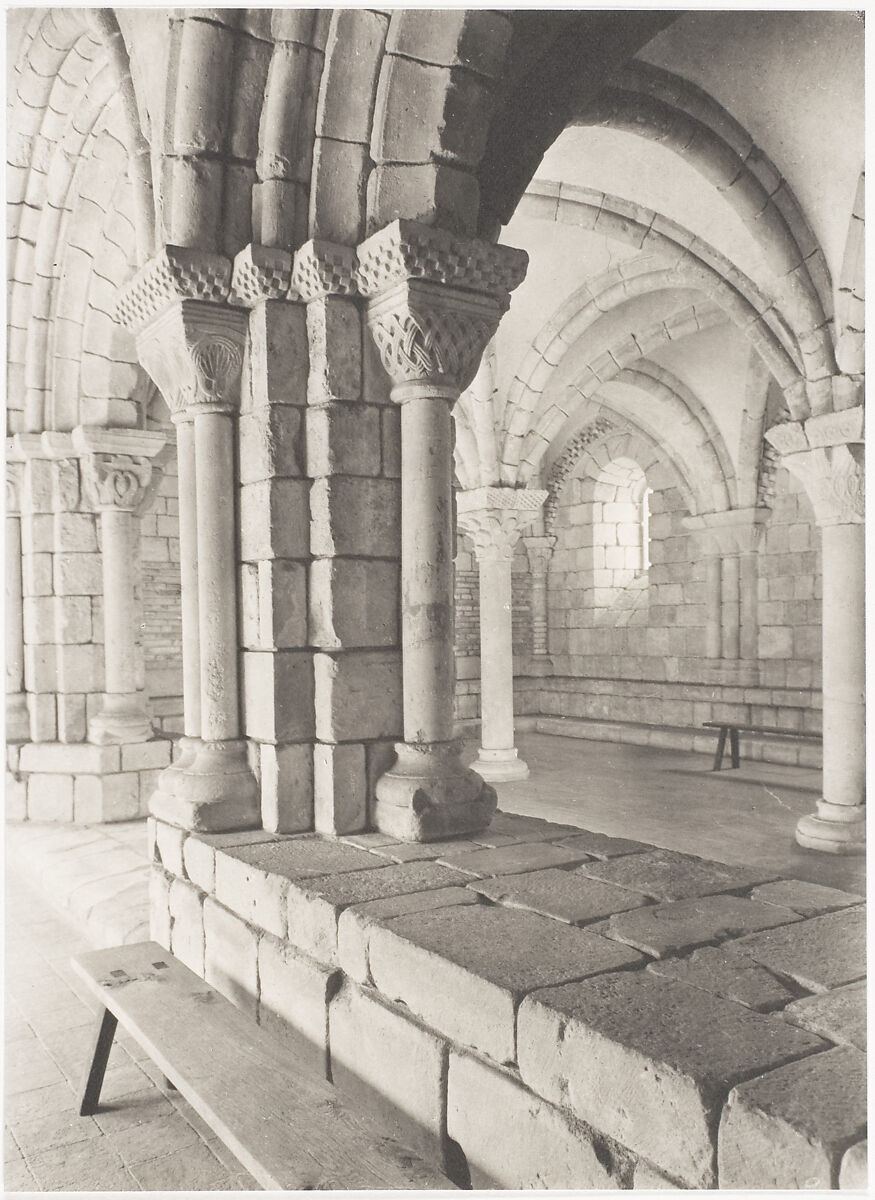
{"points": [[324, 269], [494, 518], [735, 531], [261, 273], [567, 461], [539, 548], [826, 454], [175, 273]]}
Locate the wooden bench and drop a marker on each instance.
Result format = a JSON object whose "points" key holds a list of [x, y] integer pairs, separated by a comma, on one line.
{"points": [[734, 729], [288, 1127]]}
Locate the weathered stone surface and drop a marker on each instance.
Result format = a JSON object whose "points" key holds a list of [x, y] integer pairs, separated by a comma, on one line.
{"points": [[463, 969], [187, 925], [314, 907], [564, 895], [515, 859], [514, 1139], [302, 857], [839, 1016], [230, 956], [354, 923], [854, 1171], [788, 1128], [255, 894], [807, 899], [820, 953], [392, 1065], [600, 845], [647, 1178], [669, 875], [293, 996], [662, 929], [648, 1061], [414, 851], [525, 829], [727, 972]]}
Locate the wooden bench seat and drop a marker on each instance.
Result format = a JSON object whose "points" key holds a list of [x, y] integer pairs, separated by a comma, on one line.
{"points": [[288, 1126], [733, 729]]}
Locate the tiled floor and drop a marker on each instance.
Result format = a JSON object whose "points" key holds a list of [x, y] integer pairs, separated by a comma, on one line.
{"points": [[143, 1138]]}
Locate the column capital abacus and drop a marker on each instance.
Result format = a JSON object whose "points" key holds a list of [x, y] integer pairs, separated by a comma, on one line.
{"points": [[434, 301], [826, 454], [174, 274], [261, 273], [539, 548], [323, 269], [494, 518]]}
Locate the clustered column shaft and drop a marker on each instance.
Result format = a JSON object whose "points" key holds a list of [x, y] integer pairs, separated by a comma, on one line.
{"points": [[17, 722]]}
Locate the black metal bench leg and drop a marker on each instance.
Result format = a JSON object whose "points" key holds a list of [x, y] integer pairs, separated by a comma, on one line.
{"points": [[721, 744], [733, 747], [106, 1027]]}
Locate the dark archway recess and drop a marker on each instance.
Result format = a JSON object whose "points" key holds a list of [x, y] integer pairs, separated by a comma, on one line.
{"points": [[556, 63]]}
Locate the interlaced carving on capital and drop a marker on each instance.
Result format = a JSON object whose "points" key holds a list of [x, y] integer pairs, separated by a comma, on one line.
{"points": [[408, 250], [261, 273], [324, 269], [175, 273], [14, 485], [426, 336], [494, 518], [834, 479], [116, 481]]}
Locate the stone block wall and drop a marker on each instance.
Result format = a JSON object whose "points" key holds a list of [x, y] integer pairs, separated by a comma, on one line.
{"points": [[464, 991]]}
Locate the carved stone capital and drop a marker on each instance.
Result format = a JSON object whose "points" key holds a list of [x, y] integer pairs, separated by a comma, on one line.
{"points": [[833, 477], [324, 269], [194, 353], [434, 301], [494, 518], [539, 548], [261, 273], [175, 273], [116, 481]]}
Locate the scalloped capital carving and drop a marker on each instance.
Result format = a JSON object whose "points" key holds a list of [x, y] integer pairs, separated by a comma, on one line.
{"points": [[834, 479], [494, 518]]}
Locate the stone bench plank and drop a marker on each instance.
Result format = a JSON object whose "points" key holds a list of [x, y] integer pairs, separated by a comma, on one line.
{"points": [[290, 1129]]}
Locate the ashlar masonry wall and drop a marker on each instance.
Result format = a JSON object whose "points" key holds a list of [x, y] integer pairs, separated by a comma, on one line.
{"points": [[161, 633]]}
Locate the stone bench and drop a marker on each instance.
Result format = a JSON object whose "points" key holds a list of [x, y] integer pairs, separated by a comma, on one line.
{"points": [[287, 1126], [733, 729], [464, 989]]}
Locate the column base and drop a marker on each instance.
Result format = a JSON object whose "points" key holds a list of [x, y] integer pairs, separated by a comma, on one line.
{"points": [[121, 721], [500, 766], [428, 795], [170, 778], [834, 829], [17, 718], [215, 793]]}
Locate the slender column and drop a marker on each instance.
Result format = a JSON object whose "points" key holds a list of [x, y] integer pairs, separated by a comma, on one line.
{"points": [[493, 518], [191, 342], [434, 303], [748, 604], [728, 541], [826, 454], [713, 605], [731, 607], [17, 723], [540, 550], [117, 473], [188, 571]]}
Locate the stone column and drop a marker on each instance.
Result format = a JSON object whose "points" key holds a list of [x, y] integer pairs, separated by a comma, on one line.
{"points": [[728, 541], [191, 343], [713, 604], [493, 518], [189, 743], [17, 720], [539, 548], [434, 302], [826, 454], [116, 473]]}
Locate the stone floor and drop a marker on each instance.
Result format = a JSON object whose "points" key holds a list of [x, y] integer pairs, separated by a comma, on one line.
{"points": [[144, 1138], [98, 876]]}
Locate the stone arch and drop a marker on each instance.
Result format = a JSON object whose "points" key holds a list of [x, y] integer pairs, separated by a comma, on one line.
{"points": [[851, 299]]}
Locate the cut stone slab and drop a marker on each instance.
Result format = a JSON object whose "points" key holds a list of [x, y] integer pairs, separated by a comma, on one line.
{"points": [[807, 899], [854, 1171], [670, 875], [727, 972], [314, 906], [789, 1128], [664, 929], [463, 970], [305, 858], [355, 923], [564, 895], [839, 1016], [403, 852], [516, 859], [648, 1061], [819, 953], [601, 845], [529, 829]]}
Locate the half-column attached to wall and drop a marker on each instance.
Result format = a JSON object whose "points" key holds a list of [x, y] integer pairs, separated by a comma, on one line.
{"points": [[434, 303]]}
